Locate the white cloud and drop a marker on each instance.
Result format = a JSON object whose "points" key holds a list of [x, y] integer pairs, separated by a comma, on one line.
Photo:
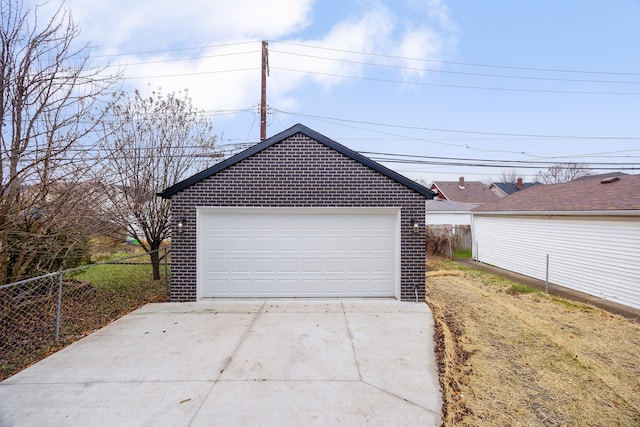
{"points": [[377, 27], [377, 31], [160, 23]]}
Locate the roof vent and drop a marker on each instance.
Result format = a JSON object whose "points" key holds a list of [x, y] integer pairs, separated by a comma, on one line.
{"points": [[461, 182], [610, 180]]}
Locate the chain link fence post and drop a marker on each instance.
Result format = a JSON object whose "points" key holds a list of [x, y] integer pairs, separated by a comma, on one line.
{"points": [[56, 334]]}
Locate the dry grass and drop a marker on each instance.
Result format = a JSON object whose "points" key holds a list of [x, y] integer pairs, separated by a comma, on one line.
{"points": [[512, 357]]}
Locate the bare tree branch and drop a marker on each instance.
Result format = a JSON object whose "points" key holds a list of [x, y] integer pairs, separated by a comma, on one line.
{"points": [[152, 143], [563, 172], [51, 102]]}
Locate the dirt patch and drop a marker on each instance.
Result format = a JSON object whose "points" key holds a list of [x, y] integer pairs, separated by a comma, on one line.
{"points": [[511, 356]]}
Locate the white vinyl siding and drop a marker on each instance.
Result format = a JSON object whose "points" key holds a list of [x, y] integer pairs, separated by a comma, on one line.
{"points": [[599, 256], [280, 252], [448, 218]]}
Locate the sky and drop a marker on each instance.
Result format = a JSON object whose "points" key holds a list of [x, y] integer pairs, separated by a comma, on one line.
{"points": [[444, 88]]}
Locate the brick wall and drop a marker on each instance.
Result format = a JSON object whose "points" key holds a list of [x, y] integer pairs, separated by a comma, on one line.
{"points": [[298, 172]]}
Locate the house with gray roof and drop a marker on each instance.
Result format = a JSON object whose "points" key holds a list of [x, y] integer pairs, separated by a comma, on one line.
{"points": [[504, 189]]}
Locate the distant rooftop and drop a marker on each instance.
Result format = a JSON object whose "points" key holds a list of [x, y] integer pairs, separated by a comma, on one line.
{"points": [[612, 193], [466, 192], [439, 205], [601, 176], [510, 187]]}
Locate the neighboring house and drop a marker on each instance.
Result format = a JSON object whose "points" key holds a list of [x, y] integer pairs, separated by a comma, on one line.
{"points": [[589, 229], [298, 215], [450, 219], [461, 191], [447, 212], [503, 189]]}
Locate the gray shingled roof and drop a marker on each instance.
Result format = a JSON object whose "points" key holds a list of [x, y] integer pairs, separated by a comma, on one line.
{"points": [[473, 191], [510, 188], [612, 194], [439, 205]]}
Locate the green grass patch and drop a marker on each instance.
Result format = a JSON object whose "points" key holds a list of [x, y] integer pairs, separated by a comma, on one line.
{"points": [[571, 305], [115, 276], [462, 254], [518, 289]]}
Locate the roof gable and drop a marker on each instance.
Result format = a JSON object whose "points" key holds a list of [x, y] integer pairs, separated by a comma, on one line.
{"points": [[298, 128], [510, 188], [582, 195], [472, 192]]}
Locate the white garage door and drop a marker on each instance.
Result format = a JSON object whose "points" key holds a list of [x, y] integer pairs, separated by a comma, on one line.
{"points": [[297, 253]]}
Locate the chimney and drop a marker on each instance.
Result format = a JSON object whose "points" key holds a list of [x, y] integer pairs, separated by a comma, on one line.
{"points": [[461, 182], [519, 184]]}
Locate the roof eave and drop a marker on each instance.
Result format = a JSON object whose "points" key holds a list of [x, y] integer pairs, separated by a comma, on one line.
{"points": [[619, 212]]}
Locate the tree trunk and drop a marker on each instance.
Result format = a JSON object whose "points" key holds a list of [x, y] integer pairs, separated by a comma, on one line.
{"points": [[155, 262]]}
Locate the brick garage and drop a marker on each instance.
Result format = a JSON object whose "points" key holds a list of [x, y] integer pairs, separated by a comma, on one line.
{"points": [[297, 215]]}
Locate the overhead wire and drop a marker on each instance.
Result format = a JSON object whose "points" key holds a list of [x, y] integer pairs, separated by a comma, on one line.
{"points": [[474, 132], [553, 70], [436, 70], [407, 82]]}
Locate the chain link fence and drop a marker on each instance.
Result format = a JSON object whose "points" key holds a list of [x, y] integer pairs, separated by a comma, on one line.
{"points": [[41, 315]]}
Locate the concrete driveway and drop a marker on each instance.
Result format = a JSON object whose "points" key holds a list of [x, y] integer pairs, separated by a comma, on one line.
{"points": [[240, 363]]}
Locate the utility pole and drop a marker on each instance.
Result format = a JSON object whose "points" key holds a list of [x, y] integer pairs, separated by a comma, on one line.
{"points": [[263, 92]]}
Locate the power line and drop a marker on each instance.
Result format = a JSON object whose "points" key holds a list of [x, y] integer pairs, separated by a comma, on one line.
{"points": [[434, 70], [488, 165], [470, 64], [526, 135], [377, 79], [192, 74], [180, 49], [161, 61], [511, 162]]}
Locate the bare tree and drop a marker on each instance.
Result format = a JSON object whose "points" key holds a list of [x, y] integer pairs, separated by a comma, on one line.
{"points": [[50, 102], [152, 143], [510, 176], [563, 172]]}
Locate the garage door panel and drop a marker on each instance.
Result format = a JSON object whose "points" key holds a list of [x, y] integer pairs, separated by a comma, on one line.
{"points": [[265, 286], [380, 243], [241, 244], [242, 286], [288, 244], [217, 287], [287, 286], [334, 243], [285, 265], [358, 265], [240, 265], [264, 265], [335, 265], [218, 244], [378, 285], [357, 243], [217, 266], [380, 265], [311, 265], [264, 244], [257, 253]]}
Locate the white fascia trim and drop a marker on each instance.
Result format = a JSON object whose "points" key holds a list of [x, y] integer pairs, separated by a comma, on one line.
{"points": [[562, 213]]}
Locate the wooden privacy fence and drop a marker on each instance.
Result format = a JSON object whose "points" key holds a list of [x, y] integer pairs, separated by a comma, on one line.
{"points": [[444, 239]]}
